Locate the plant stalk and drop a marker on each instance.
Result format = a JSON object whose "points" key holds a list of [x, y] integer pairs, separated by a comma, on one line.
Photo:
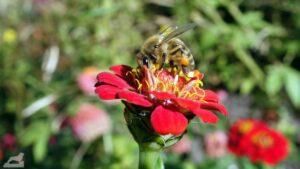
{"points": [[150, 159]]}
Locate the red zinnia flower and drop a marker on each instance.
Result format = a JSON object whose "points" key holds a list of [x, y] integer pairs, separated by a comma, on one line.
{"points": [[9, 141], [238, 130], [171, 97], [259, 143], [266, 145]]}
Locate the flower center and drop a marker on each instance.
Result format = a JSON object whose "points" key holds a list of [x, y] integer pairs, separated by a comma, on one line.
{"points": [[91, 70], [262, 139], [172, 82], [245, 127]]}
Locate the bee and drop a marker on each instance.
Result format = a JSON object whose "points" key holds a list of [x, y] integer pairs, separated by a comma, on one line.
{"points": [[165, 48]]}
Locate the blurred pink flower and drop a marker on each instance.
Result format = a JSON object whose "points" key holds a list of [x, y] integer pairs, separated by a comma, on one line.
{"points": [[183, 146], [215, 144], [9, 141], [87, 79], [223, 95], [90, 122]]}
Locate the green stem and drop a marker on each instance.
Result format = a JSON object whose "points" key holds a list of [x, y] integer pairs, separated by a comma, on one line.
{"points": [[150, 159], [263, 166], [245, 58], [79, 155]]}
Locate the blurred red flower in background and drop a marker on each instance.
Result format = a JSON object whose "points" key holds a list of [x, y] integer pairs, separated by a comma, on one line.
{"points": [[265, 145], [1, 154], [172, 98], [254, 139], [90, 122], [238, 130], [9, 141], [216, 144]]}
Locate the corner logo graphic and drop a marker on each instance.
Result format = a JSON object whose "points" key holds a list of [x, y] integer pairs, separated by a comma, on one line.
{"points": [[15, 161]]}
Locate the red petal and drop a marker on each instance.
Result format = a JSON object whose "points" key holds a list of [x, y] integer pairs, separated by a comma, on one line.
{"points": [[187, 103], [112, 79], [206, 116], [214, 106], [165, 121], [162, 95], [120, 70], [211, 96], [107, 92], [134, 98]]}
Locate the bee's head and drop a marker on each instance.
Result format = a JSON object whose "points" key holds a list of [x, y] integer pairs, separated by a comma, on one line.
{"points": [[152, 52], [144, 60]]}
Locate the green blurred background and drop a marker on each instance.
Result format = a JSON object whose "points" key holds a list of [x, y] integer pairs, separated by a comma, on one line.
{"points": [[248, 50]]}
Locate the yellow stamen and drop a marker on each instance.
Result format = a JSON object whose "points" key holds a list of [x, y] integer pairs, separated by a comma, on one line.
{"points": [[262, 139], [139, 84], [245, 126], [148, 85], [199, 83], [176, 90]]}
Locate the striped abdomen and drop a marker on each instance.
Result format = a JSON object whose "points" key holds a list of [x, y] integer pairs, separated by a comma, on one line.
{"points": [[180, 56]]}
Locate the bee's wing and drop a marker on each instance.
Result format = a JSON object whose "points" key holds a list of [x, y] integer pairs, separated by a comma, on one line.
{"points": [[171, 32]]}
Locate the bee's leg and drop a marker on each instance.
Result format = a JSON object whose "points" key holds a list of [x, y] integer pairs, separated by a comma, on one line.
{"points": [[163, 60], [171, 63], [185, 70], [175, 50]]}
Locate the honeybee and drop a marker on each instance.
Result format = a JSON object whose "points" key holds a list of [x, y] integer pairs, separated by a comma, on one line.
{"points": [[165, 48]]}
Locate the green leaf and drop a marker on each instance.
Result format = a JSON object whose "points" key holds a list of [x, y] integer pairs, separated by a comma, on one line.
{"points": [[40, 149], [292, 85], [32, 133], [253, 19], [274, 80], [247, 85], [209, 38], [37, 134]]}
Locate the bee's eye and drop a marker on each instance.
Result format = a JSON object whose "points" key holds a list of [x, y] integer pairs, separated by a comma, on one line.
{"points": [[145, 61]]}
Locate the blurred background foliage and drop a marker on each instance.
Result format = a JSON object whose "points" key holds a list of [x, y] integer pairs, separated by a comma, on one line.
{"points": [[248, 49]]}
